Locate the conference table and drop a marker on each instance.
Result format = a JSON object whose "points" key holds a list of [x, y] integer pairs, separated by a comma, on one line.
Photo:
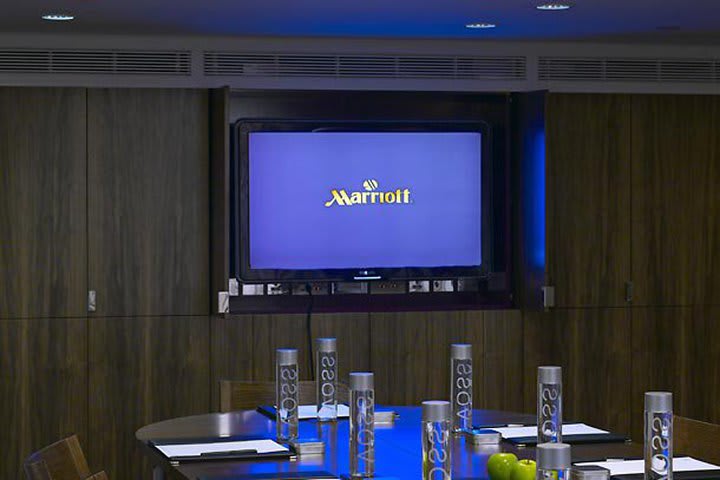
{"points": [[397, 446]]}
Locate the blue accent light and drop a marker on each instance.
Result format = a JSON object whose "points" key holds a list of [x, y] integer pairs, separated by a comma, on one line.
{"points": [[536, 196]]}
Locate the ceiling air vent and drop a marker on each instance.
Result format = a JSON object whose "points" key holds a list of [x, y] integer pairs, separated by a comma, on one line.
{"points": [[597, 69], [238, 64], [118, 62]]}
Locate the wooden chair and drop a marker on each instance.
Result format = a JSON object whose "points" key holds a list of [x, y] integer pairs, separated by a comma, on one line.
{"points": [[241, 395], [697, 439], [63, 460]]}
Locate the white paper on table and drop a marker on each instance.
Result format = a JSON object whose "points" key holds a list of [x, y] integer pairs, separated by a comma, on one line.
{"points": [[306, 412], [630, 467], [531, 431], [197, 449]]}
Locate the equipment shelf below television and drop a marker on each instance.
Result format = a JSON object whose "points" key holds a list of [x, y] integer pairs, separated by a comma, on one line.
{"points": [[457, 294]]}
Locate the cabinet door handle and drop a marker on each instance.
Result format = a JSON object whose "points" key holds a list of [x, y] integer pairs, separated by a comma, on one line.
{"points": [[92, 301], [548, 296], [629, 288]]}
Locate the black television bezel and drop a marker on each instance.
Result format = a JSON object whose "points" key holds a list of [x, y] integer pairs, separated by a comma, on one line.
{"points": [[243, 127]]}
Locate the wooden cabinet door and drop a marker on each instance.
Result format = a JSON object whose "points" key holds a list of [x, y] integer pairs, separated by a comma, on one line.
{"points": [[43, 386], [592, 345], [142, 370], [43, 263], [676, 349], [148, 199], [588, 198], [676, 200]]}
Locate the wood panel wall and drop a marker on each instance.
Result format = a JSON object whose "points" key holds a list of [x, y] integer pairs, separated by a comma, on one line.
{"points": [[148, 201], [410, 355], [632, 196], [43, 386], [611, 356], [243, 346], [142, 370], [592, 346], [106, 190], [149, 260], [43, 255], [677, 349], [407, 351], [43, 287], [676, 200], [588, 198]]}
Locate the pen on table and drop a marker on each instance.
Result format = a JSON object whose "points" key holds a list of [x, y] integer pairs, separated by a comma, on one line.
{"points": [[229, 452], [504, 425]]}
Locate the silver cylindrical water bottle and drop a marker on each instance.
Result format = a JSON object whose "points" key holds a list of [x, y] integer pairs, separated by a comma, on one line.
{"points": [[553, 461], [658, 435], [362, 424], [286, 393], [461, 386], [326, 379], [436, 446], [549, 405]]}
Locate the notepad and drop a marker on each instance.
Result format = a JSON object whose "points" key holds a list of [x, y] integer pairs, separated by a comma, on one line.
{"points": [[569, 429], [189, 450], [632, 467], [306, 412]]}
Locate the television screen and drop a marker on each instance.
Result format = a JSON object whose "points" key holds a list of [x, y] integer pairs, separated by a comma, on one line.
{"points": [[364, 201]]}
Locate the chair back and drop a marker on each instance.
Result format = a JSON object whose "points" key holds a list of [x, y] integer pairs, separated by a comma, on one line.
{"points": [[697, 439], [63, 460], [242, 395], [37, 471]]}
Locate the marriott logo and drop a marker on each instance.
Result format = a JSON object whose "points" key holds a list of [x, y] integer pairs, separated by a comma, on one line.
{"points": [[369, 195]]}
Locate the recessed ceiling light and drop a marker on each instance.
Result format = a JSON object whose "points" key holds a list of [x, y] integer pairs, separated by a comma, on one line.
{"points": [[554, 6], [480, 25], [58, 17]]}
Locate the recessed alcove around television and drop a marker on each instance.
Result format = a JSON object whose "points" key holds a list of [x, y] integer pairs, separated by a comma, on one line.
{"points": [[379, 189]]}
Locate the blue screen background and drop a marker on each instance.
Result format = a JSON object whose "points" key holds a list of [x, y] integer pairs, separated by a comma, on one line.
{"points": [[291, 177]]}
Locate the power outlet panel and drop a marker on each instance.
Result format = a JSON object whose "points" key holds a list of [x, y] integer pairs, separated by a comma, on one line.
{"points": [[443, 286], [385, 288], [316, 288], [278, 289], [349, 288], [419, 286]]}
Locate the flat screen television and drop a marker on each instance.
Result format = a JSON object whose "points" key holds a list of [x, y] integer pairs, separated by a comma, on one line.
{"points": [[344, 201]]}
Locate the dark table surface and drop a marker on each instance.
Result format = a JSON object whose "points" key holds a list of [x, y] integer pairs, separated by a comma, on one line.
{"points": [[397, 447]]}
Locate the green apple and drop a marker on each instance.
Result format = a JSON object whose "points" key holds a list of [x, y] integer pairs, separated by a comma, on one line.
{"points": [[501, 465], [523, 470]]}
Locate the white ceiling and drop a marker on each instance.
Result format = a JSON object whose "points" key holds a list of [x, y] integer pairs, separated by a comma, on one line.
{"points": [[656, 21]]}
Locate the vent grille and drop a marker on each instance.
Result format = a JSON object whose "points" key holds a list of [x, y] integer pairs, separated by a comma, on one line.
{"points": [[122, 62], [668, 70], [364, 66]]}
